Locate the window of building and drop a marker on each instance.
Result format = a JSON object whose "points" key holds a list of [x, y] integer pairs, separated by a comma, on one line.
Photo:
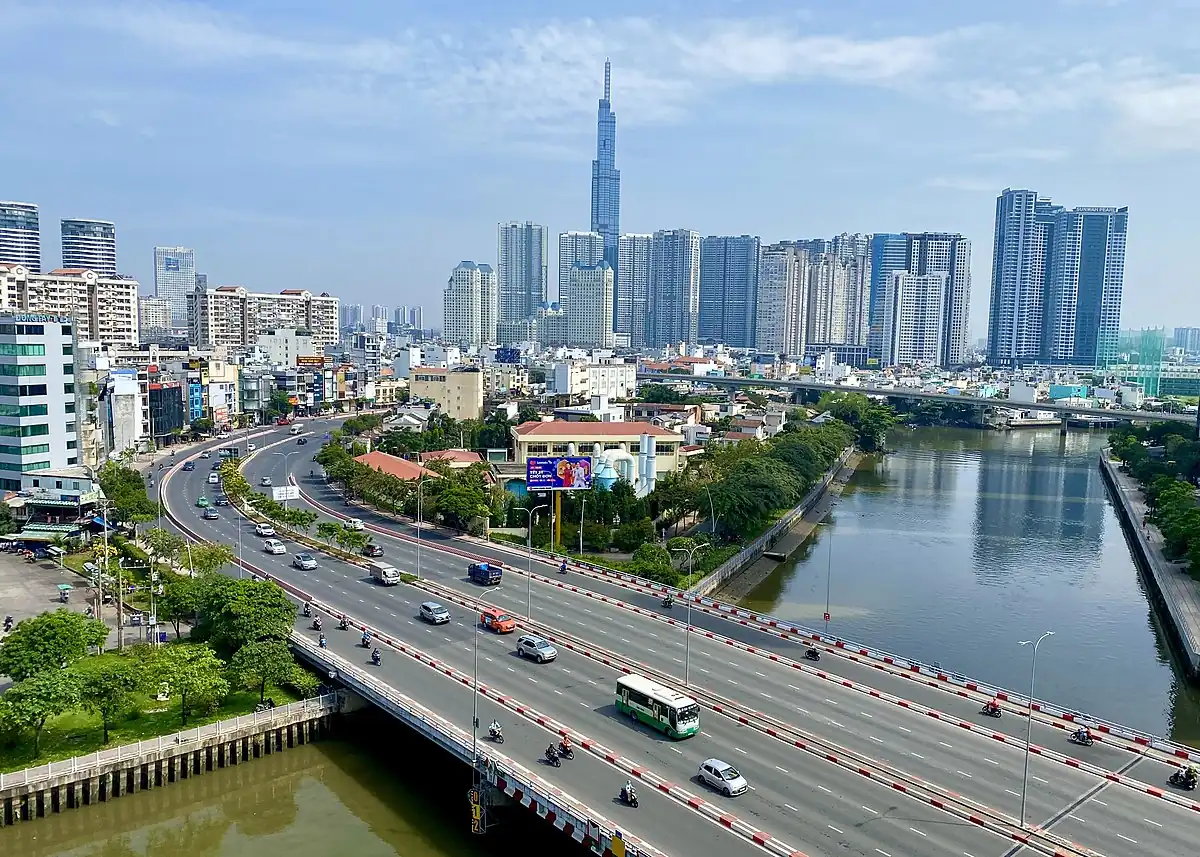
{"points": [[18, 349], [25, 431], [70, 427], [69, 389], [66, 329], [537, 449], [68, 350], [11, 370], [71, 444], [68, 369], [70, 406]]}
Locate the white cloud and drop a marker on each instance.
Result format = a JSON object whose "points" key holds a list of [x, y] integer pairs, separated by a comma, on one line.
{"points": [[966, 184], [1023, 154], [105, 117], [1160, 113]]}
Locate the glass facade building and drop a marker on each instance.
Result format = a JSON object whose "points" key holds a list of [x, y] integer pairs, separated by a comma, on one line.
{"points": [[175, 279], [89, 245], [606, 184], [20, 236], [729, 289]]}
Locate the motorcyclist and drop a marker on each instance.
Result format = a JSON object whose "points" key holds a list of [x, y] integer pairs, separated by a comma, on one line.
{"points": [[366, 640], [562, 569], [323, 642], [375, 656], [344, 624], [551, 752], [8, 623], [317, 623], [564, 746], [494, 728], [307, 611], [627, 792], [992, 707], [812, 654], [1083, 735], [668, 601]]}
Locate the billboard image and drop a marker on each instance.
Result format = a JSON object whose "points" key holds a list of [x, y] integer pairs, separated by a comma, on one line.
{"points": [[558, 473]]}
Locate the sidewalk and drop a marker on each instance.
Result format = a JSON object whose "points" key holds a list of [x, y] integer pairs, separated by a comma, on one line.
{"points": [[1179, 589]]}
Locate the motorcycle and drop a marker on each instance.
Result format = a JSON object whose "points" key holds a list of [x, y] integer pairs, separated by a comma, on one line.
{"points": [[8, 623], [668, 602], [343, 625], [496, 734], [1181, 780], [990, 710], [365, 642], [316, 625], [375, 658], [265, 706], [562, 569], [1082, 738], [323, 643], [552, 756], [566, 751], [629, 797], [812, 655], [306, 611]]}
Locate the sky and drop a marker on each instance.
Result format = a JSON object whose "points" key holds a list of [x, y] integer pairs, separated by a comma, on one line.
{"points": [[365, 147]]}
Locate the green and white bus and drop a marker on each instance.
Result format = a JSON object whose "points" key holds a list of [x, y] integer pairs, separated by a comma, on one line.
{"points": [[667, 710]]}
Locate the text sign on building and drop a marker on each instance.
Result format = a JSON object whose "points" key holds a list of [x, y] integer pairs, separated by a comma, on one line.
{"points": [[572, 473]]}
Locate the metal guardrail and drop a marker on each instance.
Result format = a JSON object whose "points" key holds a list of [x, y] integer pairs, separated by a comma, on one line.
{"points": [[326, 704]]}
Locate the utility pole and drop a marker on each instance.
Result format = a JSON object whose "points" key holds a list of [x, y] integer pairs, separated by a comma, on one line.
{"points": [[105, 505]]}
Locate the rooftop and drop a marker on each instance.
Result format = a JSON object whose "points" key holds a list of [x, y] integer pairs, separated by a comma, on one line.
{"points": [[393, 465], [564, 428], [456, 456]]}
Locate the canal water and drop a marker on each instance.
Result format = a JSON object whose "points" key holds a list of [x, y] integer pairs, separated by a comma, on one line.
{"points": [[397, 797], [960, 543]]}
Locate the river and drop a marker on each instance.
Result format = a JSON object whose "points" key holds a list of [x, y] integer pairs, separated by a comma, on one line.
{"points": [[960, 543]]}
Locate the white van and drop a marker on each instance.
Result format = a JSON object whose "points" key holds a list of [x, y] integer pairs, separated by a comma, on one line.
{"points": [[355, 524], [214, 478]]}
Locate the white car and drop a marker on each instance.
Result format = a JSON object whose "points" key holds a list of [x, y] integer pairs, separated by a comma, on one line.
{"points": [[304, 562], [723, 777], [274, 546], [250, 447], [214, 478], [206, 454], [265, 482], [536, 648], [355, 524], [264, 530]]}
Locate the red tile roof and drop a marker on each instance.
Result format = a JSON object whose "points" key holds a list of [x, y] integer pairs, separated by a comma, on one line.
{"points": [[393, 465], [565, 428], [462, 456]]}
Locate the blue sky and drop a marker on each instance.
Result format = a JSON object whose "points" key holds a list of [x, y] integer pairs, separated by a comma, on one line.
{"points": [[365, 147]]}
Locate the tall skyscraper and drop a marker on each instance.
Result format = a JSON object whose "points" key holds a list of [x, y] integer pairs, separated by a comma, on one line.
{"points": [[522, 273], [729, 289], [462, 306], [606, 179], [947, 254], [400, 316], [380, 311], [632, 286], [782, 300], [90, 245], [175, 279], [202, 281], [577, 248], [837, 300], [20, 236], [889, 253], [350, 316], [416, 317], [489, 303], [673, 302], [588, 300], [1082, 312], [1057, 281], [913, 314], [1187, 338]]}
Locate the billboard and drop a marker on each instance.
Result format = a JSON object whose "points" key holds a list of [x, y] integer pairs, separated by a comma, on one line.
{"points": [[560, 473]]}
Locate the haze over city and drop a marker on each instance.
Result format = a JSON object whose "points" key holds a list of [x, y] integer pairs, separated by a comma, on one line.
{"points": [[365, 150]]}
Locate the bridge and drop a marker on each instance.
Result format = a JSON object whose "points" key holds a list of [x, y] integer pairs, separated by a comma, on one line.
{"points": [[901, 393], [863, 752]]}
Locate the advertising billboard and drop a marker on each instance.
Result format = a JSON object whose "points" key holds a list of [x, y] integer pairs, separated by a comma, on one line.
{"points": [[561, 473]]}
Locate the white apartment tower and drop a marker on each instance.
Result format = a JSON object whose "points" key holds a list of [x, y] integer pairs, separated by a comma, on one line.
{"points": [[589, 306], [154, 314], [780, 319], [521, 269], [837, 301], [577, 248], [462, 306], [673, 303], [947, 254], [89, 245], [20, 236], [913, 317], [489, 303], [234, 316], [633, 285], [175, 279], [103, 309]]}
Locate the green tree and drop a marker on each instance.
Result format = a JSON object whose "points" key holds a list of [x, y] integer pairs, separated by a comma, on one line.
{"points": [[236, 612], [49, 642], [30, 703], [195, 674], [208, 558], [163, 544], [660, 394], [633, 534], [496, 432], [652, 561], [278, 405], [202, 426], [180, 599], [107, 687], [528, 413], [261, 663], [327, 531]]}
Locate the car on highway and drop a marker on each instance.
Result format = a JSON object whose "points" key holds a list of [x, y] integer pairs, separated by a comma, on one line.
{"points": [[216, 465], [304, 562], [723, 777], [214, 478], [434, 613], [250, 447], [264, 530], [495, 619], [265, 482], [222, 500], [206, 454], [201, 502], [274, 546], [301, 441], [536, 648], [355, 524], [372, 549], [189, 466], [210, 514]]}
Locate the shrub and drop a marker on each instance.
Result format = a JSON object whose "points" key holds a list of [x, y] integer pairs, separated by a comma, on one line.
{"points": [[632, 535]]}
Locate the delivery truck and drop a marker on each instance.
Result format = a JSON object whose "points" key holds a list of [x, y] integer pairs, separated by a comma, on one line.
{"points": [[485, 573], [385, 573]]}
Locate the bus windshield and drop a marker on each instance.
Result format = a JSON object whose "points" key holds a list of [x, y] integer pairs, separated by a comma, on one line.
{"points": [[688, 712]]}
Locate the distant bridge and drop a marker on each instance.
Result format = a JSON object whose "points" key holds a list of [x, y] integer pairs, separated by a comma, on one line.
{"points": [[898, 393]]}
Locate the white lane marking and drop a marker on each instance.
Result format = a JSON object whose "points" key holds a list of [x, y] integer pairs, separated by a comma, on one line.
{"points": [[732, 664], [802, 710], [793, 687], [740, 750], [1151, 821], [885, 854], [447, 639], [1014, 794], [1127, 839], [556, 690], [651, 651], [991, 761], [1039, 779], [864, 714], [834, 829], [702, 669], [760, 675], [944, 744], [822, 788], [868, 809], [781, 770], [965, 774], [511, 670], [567, 671], [904, 729], [877, 740], [623, 640], [918, 755], [652, 634], [731, 681], [831, 702], [767, 695], [919, 833], [586, 610], [1097, 800], [677, 660], [789, 806], [1077, 818], [838, 725], [677, 750]]}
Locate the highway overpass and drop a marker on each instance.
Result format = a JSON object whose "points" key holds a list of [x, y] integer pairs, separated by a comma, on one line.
{"points": [[881, 720], [903, 393]]}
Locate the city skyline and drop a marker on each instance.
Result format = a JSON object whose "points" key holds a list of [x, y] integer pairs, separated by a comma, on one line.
{"points": [[1093, 116]]}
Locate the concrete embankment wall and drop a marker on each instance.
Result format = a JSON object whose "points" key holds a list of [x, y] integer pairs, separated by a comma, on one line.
{"points": [[108, 774], [1148, 562], [750, 554]]}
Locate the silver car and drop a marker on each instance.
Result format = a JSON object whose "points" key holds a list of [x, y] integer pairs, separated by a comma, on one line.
{"points": [[536, 648], [304, 562], [434, 613], [723, 777]]}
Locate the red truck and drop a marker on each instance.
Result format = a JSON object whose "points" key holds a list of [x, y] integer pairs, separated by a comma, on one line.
{"points": [[283, 421]]}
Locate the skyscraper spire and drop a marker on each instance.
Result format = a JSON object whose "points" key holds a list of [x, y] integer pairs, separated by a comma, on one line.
{"points": [[606, 178], [607, 80]]}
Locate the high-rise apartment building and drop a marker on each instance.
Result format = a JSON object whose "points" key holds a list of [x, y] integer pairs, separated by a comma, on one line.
{"points": [[350, 316], [1187, 338], [633, 286], [1057, 281], [463, 301], [489, 302], [577, 248], [606, 179], [913, 314], [673, 303], [589, 300], [400, 316], [102, 309], [202, 281], [20, 236], [416, 317], [233, 316], [175, 279], [154, 315], [947, 254], [782, 303], [889, 253], [522, 269], [90, 245], [380, 311], [729, 289], [838, 291]]}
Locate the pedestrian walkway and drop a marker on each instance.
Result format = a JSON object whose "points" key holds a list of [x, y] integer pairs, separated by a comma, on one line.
{"points": [[1179, 589]]}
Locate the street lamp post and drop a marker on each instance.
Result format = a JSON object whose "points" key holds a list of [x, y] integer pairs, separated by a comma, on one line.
{"points": [[529, 513], [828, 577], [582, 508], [712, 513], [687, 630], [420, 487], [1029, 725]]}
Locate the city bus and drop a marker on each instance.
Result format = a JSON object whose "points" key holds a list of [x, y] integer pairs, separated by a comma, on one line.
{"points": [[667, 710]]}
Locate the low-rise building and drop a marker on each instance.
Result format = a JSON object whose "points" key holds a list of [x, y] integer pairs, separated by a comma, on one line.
{"points": [[393, 465], [562, 438], [458, 392], [613, 378]]}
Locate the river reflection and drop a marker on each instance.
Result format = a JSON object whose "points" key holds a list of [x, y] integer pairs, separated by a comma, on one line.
{"points": [[960, 543]]}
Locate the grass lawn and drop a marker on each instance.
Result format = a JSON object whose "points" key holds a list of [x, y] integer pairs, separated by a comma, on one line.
{"points": [[78, 732]]}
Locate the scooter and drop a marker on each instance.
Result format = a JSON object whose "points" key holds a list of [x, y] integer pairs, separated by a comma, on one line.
{"points": [[1181, 780], [496, 735], [812, 655], [365, 642], [316, 625], [565, 751], [1082, 738], [323, 642], [668, 602], [552, 757], [562, 569], [629, 797], [344, 624], [990, 710], [306, 611], [375, 658]]}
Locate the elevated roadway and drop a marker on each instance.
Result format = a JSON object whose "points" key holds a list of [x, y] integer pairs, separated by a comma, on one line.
{"points": [[792, 791]]}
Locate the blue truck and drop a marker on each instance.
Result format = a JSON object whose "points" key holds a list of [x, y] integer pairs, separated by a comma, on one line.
{"points": [[485, 573]]}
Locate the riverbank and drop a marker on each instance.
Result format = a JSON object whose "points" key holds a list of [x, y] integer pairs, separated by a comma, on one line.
{"points": [[1174, 589], [741, 584]]}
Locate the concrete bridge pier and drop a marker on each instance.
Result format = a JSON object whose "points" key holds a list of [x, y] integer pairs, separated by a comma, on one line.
{"points": [[1062, 426]]}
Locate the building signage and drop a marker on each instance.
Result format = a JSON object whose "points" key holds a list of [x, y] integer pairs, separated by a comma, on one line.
{"points": [[170, 263], [573, 473], [310, 361], [26, 316]]}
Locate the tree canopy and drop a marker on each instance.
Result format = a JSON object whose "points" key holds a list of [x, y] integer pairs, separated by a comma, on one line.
{"points": [[48, 642]]}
